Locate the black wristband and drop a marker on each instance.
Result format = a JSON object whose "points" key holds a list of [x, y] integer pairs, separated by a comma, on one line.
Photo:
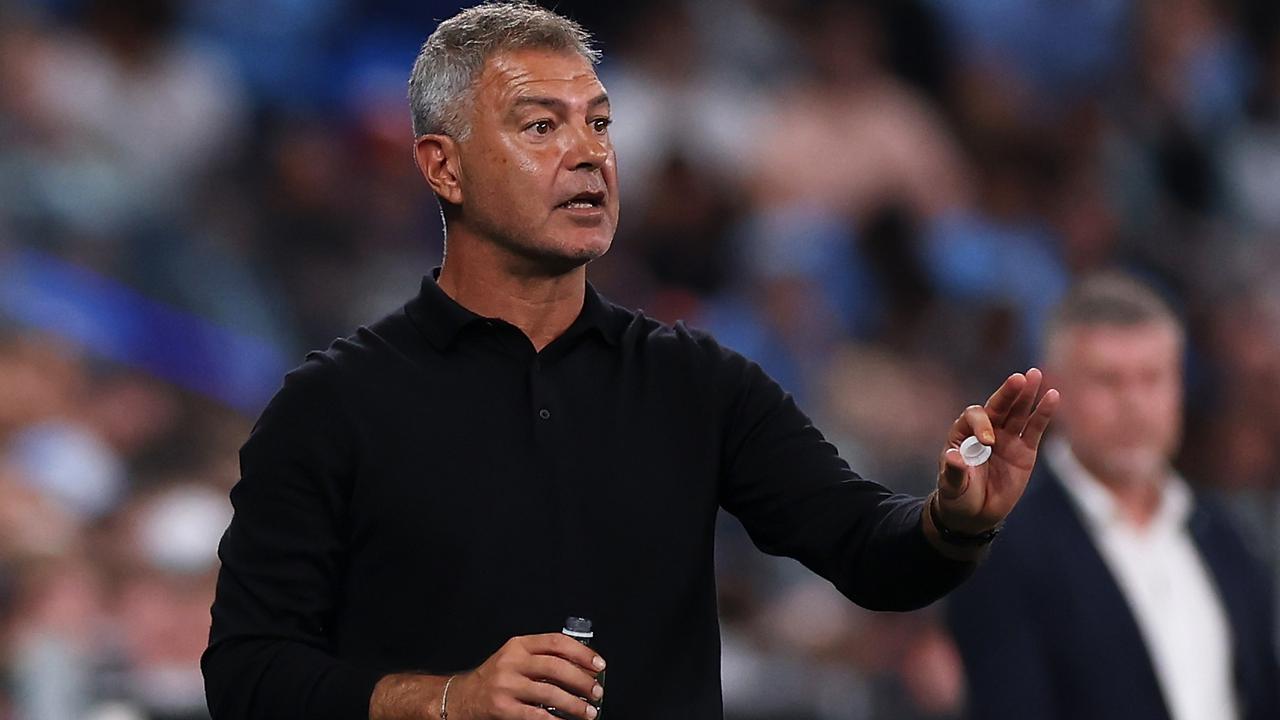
{"points": [[959, 539]]}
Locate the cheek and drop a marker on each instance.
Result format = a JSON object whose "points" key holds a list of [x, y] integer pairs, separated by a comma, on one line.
{"points": [[519, 167], [528, 167], [610, 171], [1168, 409], [1093, 410]]}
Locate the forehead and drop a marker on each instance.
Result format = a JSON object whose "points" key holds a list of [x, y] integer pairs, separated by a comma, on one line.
{"points": [[511, 74], [1124, 345]]}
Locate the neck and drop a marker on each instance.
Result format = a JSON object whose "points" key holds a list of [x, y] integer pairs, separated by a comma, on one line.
{"points": [[489, 282], [1138, 497], [1139, 501]]}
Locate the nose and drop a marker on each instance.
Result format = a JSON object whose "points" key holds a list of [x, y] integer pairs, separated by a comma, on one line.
{"points": [[588, 151]]}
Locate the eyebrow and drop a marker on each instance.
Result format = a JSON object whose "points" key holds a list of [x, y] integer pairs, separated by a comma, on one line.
{"points": [[556, 103]]}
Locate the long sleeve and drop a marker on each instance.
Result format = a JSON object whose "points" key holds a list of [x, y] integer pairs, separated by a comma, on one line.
{"points": [[796, 497], [282, 559]]}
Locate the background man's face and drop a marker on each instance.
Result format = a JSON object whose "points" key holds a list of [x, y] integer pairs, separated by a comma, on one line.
{"points": [[1122, 397], [538, 172]]}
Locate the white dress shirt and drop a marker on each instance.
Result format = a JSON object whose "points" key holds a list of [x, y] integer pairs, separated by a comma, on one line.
{"points": [[1168, 588]]}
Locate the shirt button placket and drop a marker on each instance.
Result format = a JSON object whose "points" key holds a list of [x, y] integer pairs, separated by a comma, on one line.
{"points": [[535, 382]]}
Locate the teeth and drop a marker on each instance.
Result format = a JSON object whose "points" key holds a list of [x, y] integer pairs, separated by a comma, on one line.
{"points": [[579, 204]]}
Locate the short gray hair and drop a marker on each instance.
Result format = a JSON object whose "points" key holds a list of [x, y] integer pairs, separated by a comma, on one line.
{"points": [[452, 57], [1110, 298]]}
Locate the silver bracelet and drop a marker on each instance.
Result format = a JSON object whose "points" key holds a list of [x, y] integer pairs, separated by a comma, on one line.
{"points": [[444, 698]]}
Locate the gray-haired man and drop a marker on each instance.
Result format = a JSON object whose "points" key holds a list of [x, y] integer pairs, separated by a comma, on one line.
{"points": [[424, 501]]}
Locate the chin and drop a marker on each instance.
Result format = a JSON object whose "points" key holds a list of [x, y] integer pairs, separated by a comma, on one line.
{"points": [[556, 254], [563, 259], [590, 251], [577, 251], [1137, 465]]}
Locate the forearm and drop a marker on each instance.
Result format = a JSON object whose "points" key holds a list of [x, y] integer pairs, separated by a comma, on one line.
{"points": [[894, 566], [407, 696]]}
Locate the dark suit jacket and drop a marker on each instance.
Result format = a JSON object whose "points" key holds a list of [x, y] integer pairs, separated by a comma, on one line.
{"points": [[1046, 633]]}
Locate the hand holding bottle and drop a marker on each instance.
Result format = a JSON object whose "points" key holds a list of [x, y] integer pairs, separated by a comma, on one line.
{"points": [[549, 670]]}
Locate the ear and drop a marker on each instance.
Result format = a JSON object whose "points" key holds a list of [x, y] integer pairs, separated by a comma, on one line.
{"points": [[437, 160]]}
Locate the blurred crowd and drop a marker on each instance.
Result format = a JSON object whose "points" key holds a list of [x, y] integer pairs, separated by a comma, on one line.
{"points": [[877, 200]]}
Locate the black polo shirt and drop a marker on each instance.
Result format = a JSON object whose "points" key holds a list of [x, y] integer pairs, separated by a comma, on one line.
{"points": [[431, 486]]}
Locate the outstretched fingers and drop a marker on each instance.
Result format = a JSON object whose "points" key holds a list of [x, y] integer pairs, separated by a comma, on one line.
{"points": [[1039, 420], [1002, 400], [1025, 403]]}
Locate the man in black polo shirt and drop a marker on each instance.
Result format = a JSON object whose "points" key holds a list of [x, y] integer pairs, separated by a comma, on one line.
{"points": [[422, 503]]}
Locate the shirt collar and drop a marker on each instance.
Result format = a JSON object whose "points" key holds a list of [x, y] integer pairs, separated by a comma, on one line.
{"points": [[1097, 505], [441, 319]]}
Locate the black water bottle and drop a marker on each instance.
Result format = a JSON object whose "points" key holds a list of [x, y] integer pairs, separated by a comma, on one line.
{"points": [[580, 629]]}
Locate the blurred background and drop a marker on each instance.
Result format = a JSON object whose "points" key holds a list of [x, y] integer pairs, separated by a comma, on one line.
{"points": [[878, 201]]}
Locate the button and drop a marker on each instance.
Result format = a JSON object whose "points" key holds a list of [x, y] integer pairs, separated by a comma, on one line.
{"points": [[545, 414]]}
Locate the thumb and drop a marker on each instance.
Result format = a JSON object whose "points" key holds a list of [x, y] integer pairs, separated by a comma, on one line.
{"points": [[953, 479]]}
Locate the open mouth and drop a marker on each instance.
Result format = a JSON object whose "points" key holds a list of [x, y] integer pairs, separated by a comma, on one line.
{"points": [[584, 201]]}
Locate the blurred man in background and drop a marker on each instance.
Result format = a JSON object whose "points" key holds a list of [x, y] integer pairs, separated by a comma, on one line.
{"points": [[1118, 592]]}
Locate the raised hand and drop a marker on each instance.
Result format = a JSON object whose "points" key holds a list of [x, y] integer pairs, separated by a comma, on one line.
{"points": [[972, 500]]}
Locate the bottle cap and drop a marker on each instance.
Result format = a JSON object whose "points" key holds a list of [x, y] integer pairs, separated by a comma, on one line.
{"points": [[578, 627], [974, 452]]}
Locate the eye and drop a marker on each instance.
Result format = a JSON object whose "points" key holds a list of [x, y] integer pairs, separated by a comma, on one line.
{"points": [[540, 127], [600, 125]]}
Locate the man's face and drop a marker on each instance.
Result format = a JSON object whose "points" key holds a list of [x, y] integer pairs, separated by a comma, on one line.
{"points": [[1122, 391], [538, 172]]}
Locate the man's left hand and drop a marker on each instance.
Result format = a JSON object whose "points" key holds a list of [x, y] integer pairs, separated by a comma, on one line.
{"points": [[973, 500]]}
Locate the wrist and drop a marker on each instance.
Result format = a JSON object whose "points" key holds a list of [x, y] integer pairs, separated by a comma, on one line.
{"points": [[954, 533], [409, 696], [950, 550], [444, 697]]}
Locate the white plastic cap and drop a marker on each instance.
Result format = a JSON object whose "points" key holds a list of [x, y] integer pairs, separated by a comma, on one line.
{"points": [[974, 452]]}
